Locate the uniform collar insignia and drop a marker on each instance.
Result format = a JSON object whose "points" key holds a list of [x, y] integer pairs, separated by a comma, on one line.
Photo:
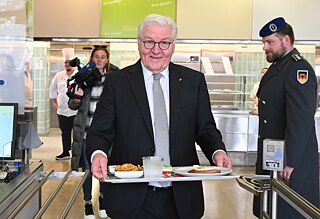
{"points": [[302, 76], [296, 57]]}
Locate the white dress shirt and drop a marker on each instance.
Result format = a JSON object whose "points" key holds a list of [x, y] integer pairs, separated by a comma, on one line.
{"points": [[164, 82]]}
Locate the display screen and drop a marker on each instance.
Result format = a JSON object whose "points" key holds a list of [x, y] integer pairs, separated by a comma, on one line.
{"points": [[8, 124]]}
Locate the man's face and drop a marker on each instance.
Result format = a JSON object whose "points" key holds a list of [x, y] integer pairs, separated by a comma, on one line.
{"points": [[67, 66], [156, 59], [274, 47]]}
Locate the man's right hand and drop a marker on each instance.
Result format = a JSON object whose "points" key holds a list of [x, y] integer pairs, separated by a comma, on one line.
{"points": [[99, 166]]}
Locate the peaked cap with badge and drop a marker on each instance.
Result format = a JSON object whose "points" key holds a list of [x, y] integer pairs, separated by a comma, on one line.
{"points": [[272, 27]]}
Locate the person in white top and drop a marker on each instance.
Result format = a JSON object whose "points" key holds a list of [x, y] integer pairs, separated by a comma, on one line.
{"points": [[58, 90], [253, 94], [28, 87]]}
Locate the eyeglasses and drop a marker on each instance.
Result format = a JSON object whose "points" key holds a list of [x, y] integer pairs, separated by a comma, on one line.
{"points": [[150, 44]]}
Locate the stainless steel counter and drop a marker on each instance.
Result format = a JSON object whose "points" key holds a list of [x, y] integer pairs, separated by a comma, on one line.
{"points": [[14, 192], [239, 129]]}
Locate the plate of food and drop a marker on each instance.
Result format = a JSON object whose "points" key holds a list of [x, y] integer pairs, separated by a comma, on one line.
{"points": [[128, 171], [202, 171]]}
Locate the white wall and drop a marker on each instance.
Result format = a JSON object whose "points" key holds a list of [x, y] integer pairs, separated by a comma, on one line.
{"points": [[67, 18], [214, 19], [303, 16]]}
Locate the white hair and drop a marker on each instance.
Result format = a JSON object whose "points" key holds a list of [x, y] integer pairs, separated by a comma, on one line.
{"points": [[159, 20]]}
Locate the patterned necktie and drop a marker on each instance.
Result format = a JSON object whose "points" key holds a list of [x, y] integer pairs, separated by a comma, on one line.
{"points": [[160, 121]]}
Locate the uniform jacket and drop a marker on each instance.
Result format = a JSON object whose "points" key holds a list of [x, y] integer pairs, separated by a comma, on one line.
{"points": [[287, 105], [123, 121]]}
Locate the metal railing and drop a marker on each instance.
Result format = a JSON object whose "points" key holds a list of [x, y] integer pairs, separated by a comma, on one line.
{"points": [[52, 196], [258, 184], [295, 200]]}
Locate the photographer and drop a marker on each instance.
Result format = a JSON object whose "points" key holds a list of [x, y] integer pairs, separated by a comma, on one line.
{"points": [[86, 106]]}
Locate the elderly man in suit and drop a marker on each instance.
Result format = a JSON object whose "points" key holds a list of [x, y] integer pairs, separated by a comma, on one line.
{"points": [[125, 122]]}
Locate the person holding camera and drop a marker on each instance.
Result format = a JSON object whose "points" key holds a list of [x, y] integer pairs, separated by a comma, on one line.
{"points": [[58, 89], [86, 107]]}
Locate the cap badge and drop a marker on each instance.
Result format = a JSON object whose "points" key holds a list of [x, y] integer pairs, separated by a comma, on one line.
{"points": [[302, 76], [273, 27]]}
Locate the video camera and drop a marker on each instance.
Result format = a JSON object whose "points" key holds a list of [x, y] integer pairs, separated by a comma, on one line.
{"points": [[86, 76]]}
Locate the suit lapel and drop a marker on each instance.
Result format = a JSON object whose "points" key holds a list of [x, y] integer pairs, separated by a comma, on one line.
{"points": [[136, 81], [175, 84]]}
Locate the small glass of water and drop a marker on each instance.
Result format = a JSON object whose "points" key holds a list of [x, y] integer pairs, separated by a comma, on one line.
{"points": [[152, 167]]}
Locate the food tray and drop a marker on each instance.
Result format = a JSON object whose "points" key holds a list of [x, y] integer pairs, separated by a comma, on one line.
{"points": [[174, 177]]}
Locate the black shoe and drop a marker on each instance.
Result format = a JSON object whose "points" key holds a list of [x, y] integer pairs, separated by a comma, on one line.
{"points": [[88, 211], [63, 156], [101, 211]]}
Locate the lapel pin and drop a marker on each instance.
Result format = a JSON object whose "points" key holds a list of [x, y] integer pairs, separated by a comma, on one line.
{"points": [[180, 79]]}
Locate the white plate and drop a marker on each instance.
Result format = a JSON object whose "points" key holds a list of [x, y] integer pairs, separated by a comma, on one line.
{"points": [[128, 174], [183, 171]]}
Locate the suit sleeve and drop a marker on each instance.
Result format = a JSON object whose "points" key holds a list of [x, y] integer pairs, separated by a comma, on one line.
{"points": [[209, 137], [300, 109]]}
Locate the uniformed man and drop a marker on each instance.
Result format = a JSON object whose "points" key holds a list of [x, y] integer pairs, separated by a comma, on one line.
{"points": [[287, 104]]}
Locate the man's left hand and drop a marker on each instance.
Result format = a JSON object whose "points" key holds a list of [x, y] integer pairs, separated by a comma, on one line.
{"points": [[222, 160]]}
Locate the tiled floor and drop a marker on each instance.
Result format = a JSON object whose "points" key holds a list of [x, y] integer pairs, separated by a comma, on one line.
{"points": [[224, 199]]}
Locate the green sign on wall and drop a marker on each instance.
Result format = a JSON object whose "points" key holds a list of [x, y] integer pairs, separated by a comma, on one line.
{"points": [[120, 18]]}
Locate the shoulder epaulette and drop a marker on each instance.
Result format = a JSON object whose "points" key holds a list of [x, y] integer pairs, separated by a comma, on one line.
{"points": [[297, 57]]}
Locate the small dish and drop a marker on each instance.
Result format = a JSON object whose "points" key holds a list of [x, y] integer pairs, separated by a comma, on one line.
{"points": [[112, 168], [128, 174]]}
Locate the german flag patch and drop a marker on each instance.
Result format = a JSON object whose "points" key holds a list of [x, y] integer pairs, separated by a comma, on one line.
{"points": [[302, 76]]}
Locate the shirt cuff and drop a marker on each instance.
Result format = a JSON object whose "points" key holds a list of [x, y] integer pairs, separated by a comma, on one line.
{"points": [[215, 153], [98, 152]]}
